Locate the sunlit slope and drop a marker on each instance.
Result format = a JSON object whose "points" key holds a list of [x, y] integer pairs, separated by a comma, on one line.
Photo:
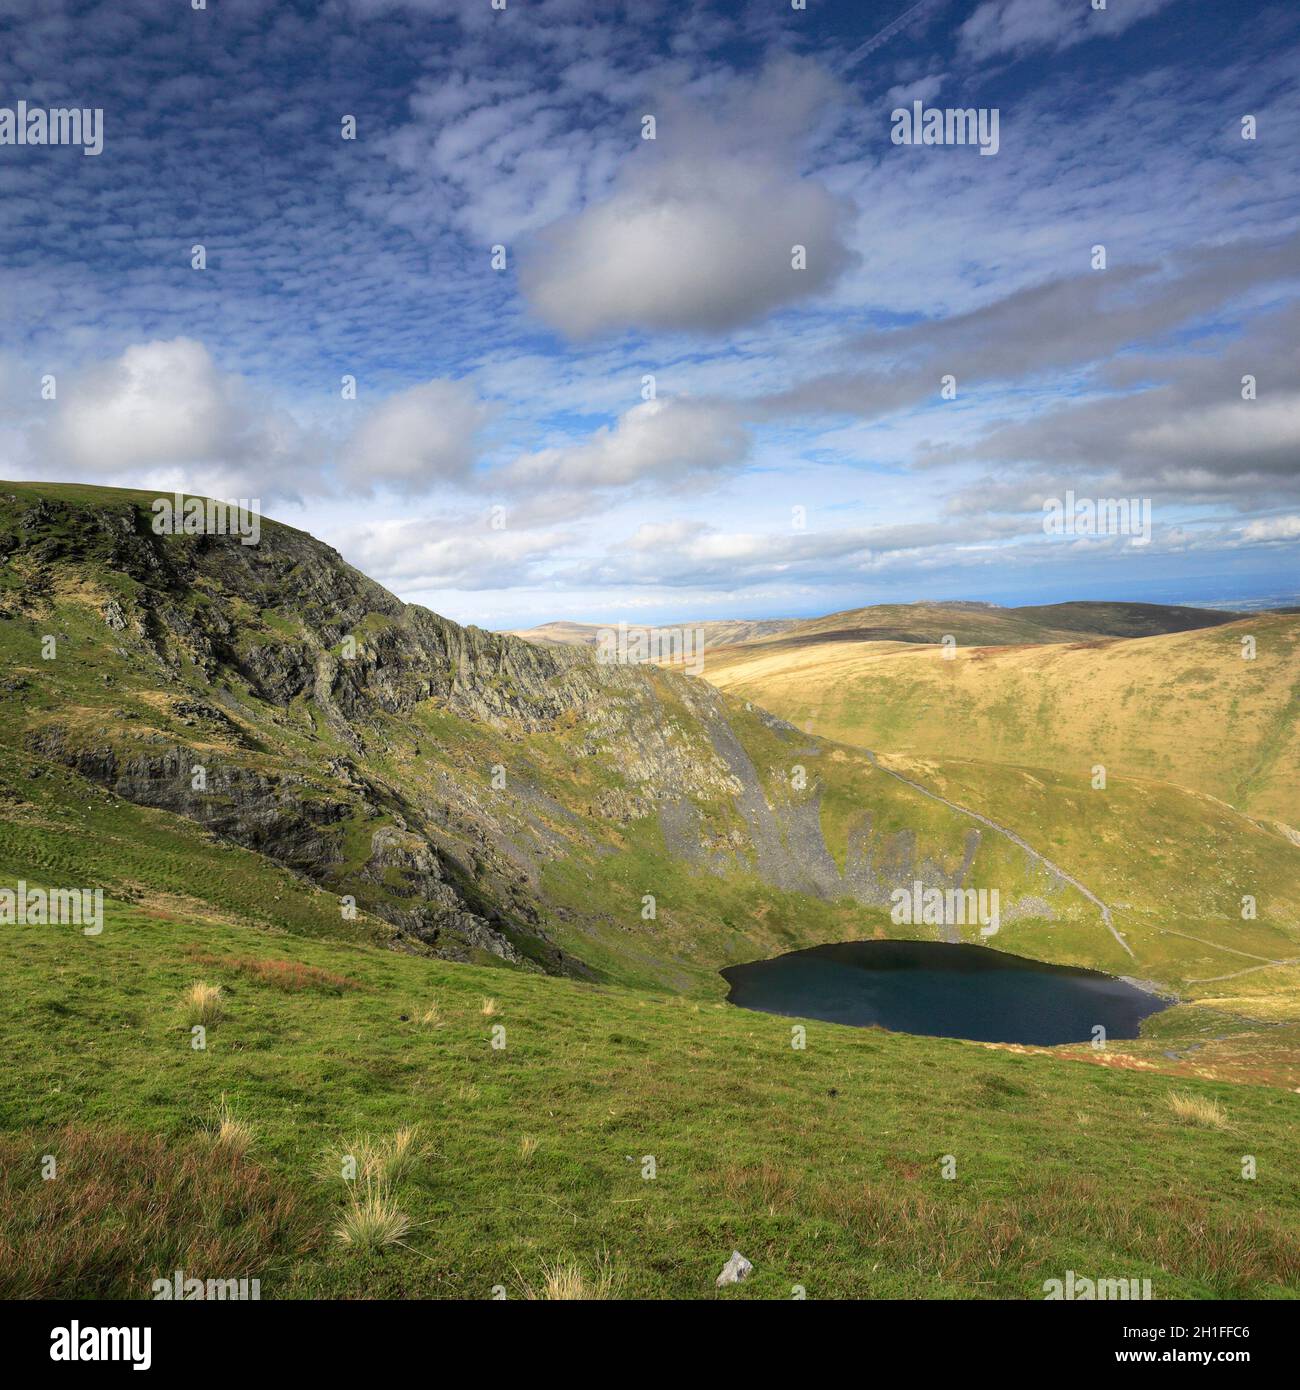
{"points": [[1184, 707], [823, 1164], [985, 624], [1172, 865]]}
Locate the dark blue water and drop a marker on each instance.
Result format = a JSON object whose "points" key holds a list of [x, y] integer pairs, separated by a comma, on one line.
{"points": [[944, 991]]}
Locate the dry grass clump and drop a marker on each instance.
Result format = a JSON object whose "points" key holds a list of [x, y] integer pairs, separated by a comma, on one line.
{"points": [[203, 1004], [371, 1220], [227, 1132], [489, 1009], [567, 1282], [377, 1158], [1203, 1112]]}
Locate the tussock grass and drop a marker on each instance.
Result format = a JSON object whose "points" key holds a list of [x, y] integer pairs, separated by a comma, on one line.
{"points": [[371, 1220], [291, 976], [1202, 1111], [527, 1148], [227, 1132], [431, 1017], [203, 1004], [383, 1158], [1016, 1239], [489, 1009], [565, 1281]]}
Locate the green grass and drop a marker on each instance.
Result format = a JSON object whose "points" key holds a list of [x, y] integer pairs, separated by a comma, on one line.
{"points": [[822, 1166]]}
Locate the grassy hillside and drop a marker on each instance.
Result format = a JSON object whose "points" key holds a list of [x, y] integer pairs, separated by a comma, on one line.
{"points": [[1183, 707], [823, 1166], [515, 810]]}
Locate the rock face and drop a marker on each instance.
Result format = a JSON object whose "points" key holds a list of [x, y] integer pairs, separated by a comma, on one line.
{"points": [[433, 775]]}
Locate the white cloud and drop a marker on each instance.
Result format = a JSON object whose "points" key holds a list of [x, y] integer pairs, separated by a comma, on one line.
{"points": [[699, 248], [415, 438], [663, 440], [698, 234], [1278, 528], [1017, 27], [166, 406], [436, 552]]}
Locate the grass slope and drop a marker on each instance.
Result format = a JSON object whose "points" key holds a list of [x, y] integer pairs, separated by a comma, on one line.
{"points": [[1184, 707], [822, 1165]]}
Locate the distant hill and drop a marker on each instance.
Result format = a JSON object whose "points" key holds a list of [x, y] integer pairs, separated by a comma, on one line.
{"points": [[717, 632], [980, 624], [967, 621], [1182, 706], [1126, 619]]}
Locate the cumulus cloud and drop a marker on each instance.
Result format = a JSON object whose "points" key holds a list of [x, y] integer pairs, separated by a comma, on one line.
{"points": [[165, 407], [415, 438], [1016, 27], [164, 413], [698, 234], [661, 440]]}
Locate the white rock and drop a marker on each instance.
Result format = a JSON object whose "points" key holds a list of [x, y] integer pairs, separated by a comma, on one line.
{"points": [[736, 1269]]}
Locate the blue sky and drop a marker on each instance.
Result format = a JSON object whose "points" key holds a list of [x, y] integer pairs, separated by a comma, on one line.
{"points": [[501, 461]]}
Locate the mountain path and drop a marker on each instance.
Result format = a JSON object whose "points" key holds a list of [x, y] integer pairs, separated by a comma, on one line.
{"points": [[1015, 840], [1268, 962]]}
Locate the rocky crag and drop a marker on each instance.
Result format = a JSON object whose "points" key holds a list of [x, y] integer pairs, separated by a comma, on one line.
{"points": [[447, 781]]}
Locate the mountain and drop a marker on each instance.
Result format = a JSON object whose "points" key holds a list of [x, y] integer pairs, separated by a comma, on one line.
{"points": [[470, 795], [473, 795], [550, 859]]}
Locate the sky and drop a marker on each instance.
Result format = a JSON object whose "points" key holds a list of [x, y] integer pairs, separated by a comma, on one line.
{"points": [[645, 311]]}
